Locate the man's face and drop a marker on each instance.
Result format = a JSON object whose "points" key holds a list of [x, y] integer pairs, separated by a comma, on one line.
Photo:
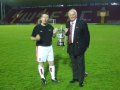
{"points": [[44, 18], [72, 15]]}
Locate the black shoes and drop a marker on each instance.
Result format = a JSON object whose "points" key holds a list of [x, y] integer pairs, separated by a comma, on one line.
{"points": [[81, 84], [86, 74], [53, 80], [74, 80], [43, 81]]}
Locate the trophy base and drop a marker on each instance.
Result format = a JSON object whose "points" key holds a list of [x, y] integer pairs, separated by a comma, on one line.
{"points": [[60, 44]]}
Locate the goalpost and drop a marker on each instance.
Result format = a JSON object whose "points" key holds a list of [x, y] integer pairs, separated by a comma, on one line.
{"points": [[52, 21]]}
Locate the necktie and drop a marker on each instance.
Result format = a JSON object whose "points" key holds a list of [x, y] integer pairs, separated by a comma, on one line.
{"points": [[70, 35]]}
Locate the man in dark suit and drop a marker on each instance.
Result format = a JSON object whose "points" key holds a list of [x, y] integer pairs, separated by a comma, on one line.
{"points": [[78, 42]]}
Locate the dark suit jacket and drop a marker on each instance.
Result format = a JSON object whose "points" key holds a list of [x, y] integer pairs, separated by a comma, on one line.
{"points": [[81, 38]]}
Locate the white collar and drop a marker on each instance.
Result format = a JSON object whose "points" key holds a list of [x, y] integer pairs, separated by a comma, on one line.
{"points": [[73, 21]]}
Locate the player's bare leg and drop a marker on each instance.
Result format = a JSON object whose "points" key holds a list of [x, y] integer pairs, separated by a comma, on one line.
{"points": [[41, 72]]}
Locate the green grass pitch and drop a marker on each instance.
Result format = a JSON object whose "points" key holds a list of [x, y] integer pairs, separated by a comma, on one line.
{"points": [[18, 68]]}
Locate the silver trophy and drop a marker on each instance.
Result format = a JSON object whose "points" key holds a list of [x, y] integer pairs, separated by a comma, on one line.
{"points": [[61, 37]]}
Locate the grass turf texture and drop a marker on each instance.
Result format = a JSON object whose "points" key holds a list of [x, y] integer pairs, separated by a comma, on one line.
{"points": [[18, 68]]}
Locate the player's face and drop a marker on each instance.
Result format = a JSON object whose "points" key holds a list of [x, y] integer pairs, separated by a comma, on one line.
{"points": [[72, 15], [44, 18]]}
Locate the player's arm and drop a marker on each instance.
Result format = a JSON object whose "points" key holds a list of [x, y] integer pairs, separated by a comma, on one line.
{"points": [[55, 32], [37, 38]]}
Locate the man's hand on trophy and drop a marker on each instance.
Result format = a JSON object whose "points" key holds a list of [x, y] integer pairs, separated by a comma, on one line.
{"points": [[66, 30], [55, 30]]}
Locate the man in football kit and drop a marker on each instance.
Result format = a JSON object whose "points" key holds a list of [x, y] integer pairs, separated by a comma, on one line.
{"points": [[42, 34]]}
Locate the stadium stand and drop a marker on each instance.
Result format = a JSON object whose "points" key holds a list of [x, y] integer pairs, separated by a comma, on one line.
{"points": [[88, 13]]}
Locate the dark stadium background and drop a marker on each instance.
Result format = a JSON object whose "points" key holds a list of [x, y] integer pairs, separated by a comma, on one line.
{"points": [[31, 9], [18, 67]]}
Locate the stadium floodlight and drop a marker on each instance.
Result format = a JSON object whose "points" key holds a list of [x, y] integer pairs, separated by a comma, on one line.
{"points": [[61, 5], [114, 3]]}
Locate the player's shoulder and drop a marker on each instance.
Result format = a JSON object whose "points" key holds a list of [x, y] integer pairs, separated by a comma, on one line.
{"points": [[37, 25], [50, 26]]}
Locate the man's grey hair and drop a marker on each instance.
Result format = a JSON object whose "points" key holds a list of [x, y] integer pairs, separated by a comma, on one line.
{"points": [[72, 10]]}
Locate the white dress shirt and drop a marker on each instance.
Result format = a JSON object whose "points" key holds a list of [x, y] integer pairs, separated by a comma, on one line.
{"points": [[73, 23]]}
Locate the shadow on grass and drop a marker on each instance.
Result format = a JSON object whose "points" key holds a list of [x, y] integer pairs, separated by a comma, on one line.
{"points": [[58, 58]]}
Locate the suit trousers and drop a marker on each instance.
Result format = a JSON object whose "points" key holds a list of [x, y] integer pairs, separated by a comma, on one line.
{"points": [[78, 67]]}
